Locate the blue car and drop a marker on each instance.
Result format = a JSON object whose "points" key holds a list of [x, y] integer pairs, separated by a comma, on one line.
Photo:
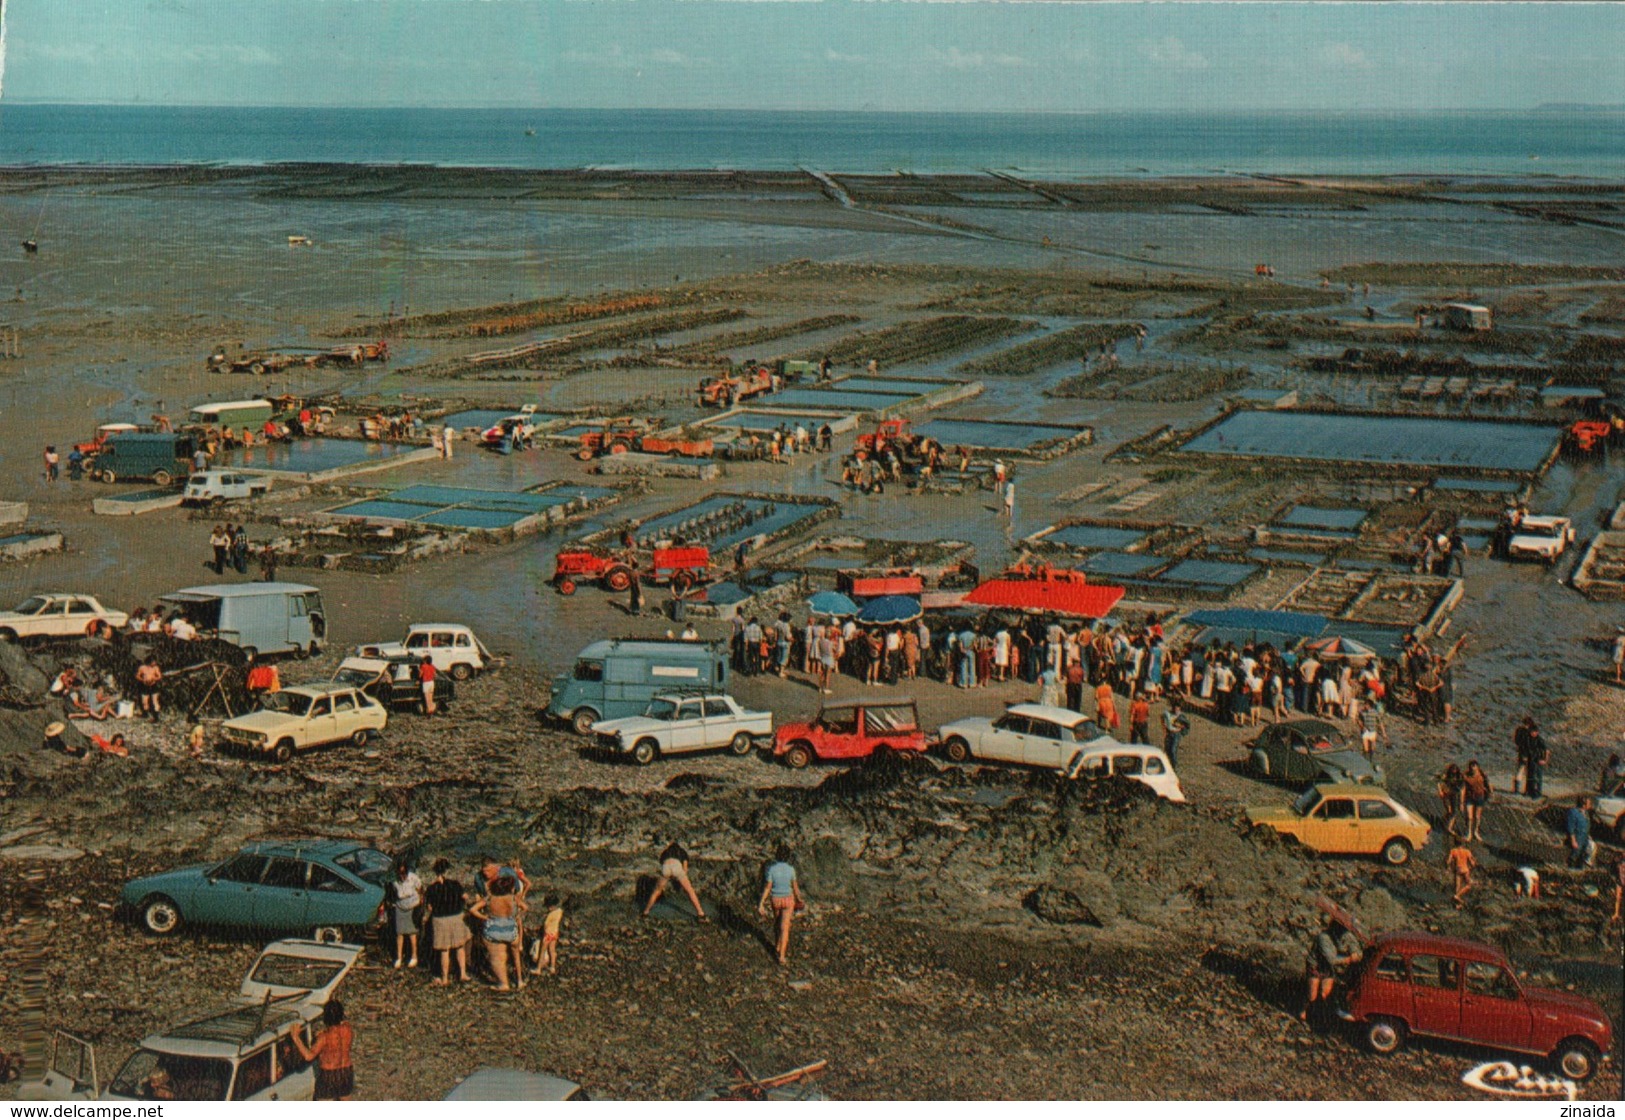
{"points": [[331, 889]]}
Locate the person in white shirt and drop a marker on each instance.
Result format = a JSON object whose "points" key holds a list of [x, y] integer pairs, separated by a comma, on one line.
{"points": [[182, 628]]}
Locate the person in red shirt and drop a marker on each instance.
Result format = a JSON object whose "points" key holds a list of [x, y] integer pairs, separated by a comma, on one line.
{"points": [[426, 675], [335, 1075], [1139, 720]]}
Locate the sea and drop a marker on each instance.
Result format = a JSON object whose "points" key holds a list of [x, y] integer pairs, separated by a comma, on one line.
{"points": [[1568, 142]]}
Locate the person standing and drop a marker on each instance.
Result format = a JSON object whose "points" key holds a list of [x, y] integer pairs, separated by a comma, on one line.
{"points": [[147, 678], [501, 911], [239, 550], [1577, 824], [783, 890], [1475, 794], [406, 894], [448, 434], [1619, 655], [52, 462], [448, 922], [268, 560], [335, 1073], [1105, 708], [547, 949], [634, 591], [674, 869], [1334, 948], [220, 542], [1174, 727], [1462, 864], [1010, 501], [1139, 720], [1451, 787], [1457, 554], [426, 674]]}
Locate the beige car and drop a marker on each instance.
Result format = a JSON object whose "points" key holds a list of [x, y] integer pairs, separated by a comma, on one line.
{"points": [[305, 716]]}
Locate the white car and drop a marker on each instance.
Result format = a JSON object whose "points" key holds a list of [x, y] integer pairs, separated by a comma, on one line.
{"points": [[54, 614], [212, 488], [240, 1052], [1542, 538], [1608, 812], [677, 723], [1147, 765], [452, 648], [1029, 734], [305, 716]]}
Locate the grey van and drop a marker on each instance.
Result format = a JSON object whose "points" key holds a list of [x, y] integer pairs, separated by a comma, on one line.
{"points": [[617, 678], [160, 456], [261, 618]]}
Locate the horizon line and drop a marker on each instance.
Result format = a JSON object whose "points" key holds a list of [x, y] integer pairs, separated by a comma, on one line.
{"points": [[1295, 111]]}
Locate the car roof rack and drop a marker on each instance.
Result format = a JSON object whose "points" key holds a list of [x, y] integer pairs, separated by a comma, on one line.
{"points": [[242, 1026]]}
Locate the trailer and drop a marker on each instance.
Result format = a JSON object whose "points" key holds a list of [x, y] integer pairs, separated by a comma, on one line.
{"points": [[681, 567]]}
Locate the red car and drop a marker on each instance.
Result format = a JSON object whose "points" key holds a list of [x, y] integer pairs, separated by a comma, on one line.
{"points": [[852, 729], [1447, 987]]}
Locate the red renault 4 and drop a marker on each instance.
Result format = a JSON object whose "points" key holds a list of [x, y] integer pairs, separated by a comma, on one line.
{"points": [[1447, 987]]}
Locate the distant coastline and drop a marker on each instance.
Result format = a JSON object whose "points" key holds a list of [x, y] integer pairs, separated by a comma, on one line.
{"points": [[1549, 141]]}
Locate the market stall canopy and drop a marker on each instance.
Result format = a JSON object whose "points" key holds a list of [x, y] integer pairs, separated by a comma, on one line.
{"points": [[1047, 591], [889, 609], [832, 603], [1334, 647]]}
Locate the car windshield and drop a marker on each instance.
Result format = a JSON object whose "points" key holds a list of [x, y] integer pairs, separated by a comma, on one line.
{"points": [[662, 709], [366, 864], [33, 605], [283, 971], [1086, 731], [354, 676], [152, 1075], [199, 480], [1306, 801], [289, 703]]}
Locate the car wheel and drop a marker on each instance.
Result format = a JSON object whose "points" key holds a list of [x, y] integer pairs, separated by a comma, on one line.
{"points": [[461, 671], [328, 935], [160, 916], [582, 720], [741, 744], [162, 478], [1384, 1035], [360, 736], [249, 654], [109, 476], [216, 502], [283, 751], [1576, 1059], [645, 751], [1397, 852], [799, 755], [8, 635], [1261, 763], [956, 749]]}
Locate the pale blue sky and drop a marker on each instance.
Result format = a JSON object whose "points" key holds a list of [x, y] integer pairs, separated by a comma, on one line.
{"points": [[822, 54]]}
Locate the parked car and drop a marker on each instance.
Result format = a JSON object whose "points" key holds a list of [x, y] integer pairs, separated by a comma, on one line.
{"points": [[56, 614], [616, 678], [240, 1052], [1305, 751], [452, 648], [1446, 987], [331, 887], [1608, 811], [1144, 764], [391, 682], [1544, 537], [306, 716], [213, 488], [259, 618], [1348, 820], [677, 723], [1030, 734], [851, 729]]}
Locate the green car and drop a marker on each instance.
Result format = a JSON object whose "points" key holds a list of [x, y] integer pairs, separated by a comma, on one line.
{"points": [[331, 889]]}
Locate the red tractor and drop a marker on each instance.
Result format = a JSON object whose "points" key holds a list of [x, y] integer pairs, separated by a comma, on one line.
{"points": [[731, 388], [617, 437], [681, 567], [1587, 437]]}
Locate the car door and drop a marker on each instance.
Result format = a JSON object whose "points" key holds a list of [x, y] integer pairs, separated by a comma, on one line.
{"points": [[1043, 744], [1436, 995], [1332, 826], [441, 650], [53, 620], [283, 897], [346, 716], [720, 722], [319, 726], [254, 1079], [1493, 1010], [79, 613], [1379, 823], [1007, 742], [687, 731], [226, 896], [463, 651]]}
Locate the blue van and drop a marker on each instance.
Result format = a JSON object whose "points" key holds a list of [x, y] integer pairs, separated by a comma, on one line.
{"points": [[260, 618], [160, 456], [619, 677]]}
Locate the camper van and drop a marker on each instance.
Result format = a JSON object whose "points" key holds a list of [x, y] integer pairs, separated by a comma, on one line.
{"points": [[260, 618], [617, 678], [231, 414], [160, 456]]}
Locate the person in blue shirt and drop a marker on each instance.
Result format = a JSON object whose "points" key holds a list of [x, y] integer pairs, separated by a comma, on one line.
{"points": [[1578, 826], [783, 891]]}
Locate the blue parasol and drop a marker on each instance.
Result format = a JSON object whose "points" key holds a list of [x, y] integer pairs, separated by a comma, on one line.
{"points": [[889, 609], [832, 603]]}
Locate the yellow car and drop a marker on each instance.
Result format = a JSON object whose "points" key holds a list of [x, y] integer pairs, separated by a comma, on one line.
{"points": [[1358, 820]]}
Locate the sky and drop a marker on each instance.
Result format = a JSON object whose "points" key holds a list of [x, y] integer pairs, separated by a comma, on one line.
{"points": [[1048, 56]]}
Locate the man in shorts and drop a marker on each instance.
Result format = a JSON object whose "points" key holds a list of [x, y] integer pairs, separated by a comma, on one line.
{"points": [[674, 869], [426, 675]]}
